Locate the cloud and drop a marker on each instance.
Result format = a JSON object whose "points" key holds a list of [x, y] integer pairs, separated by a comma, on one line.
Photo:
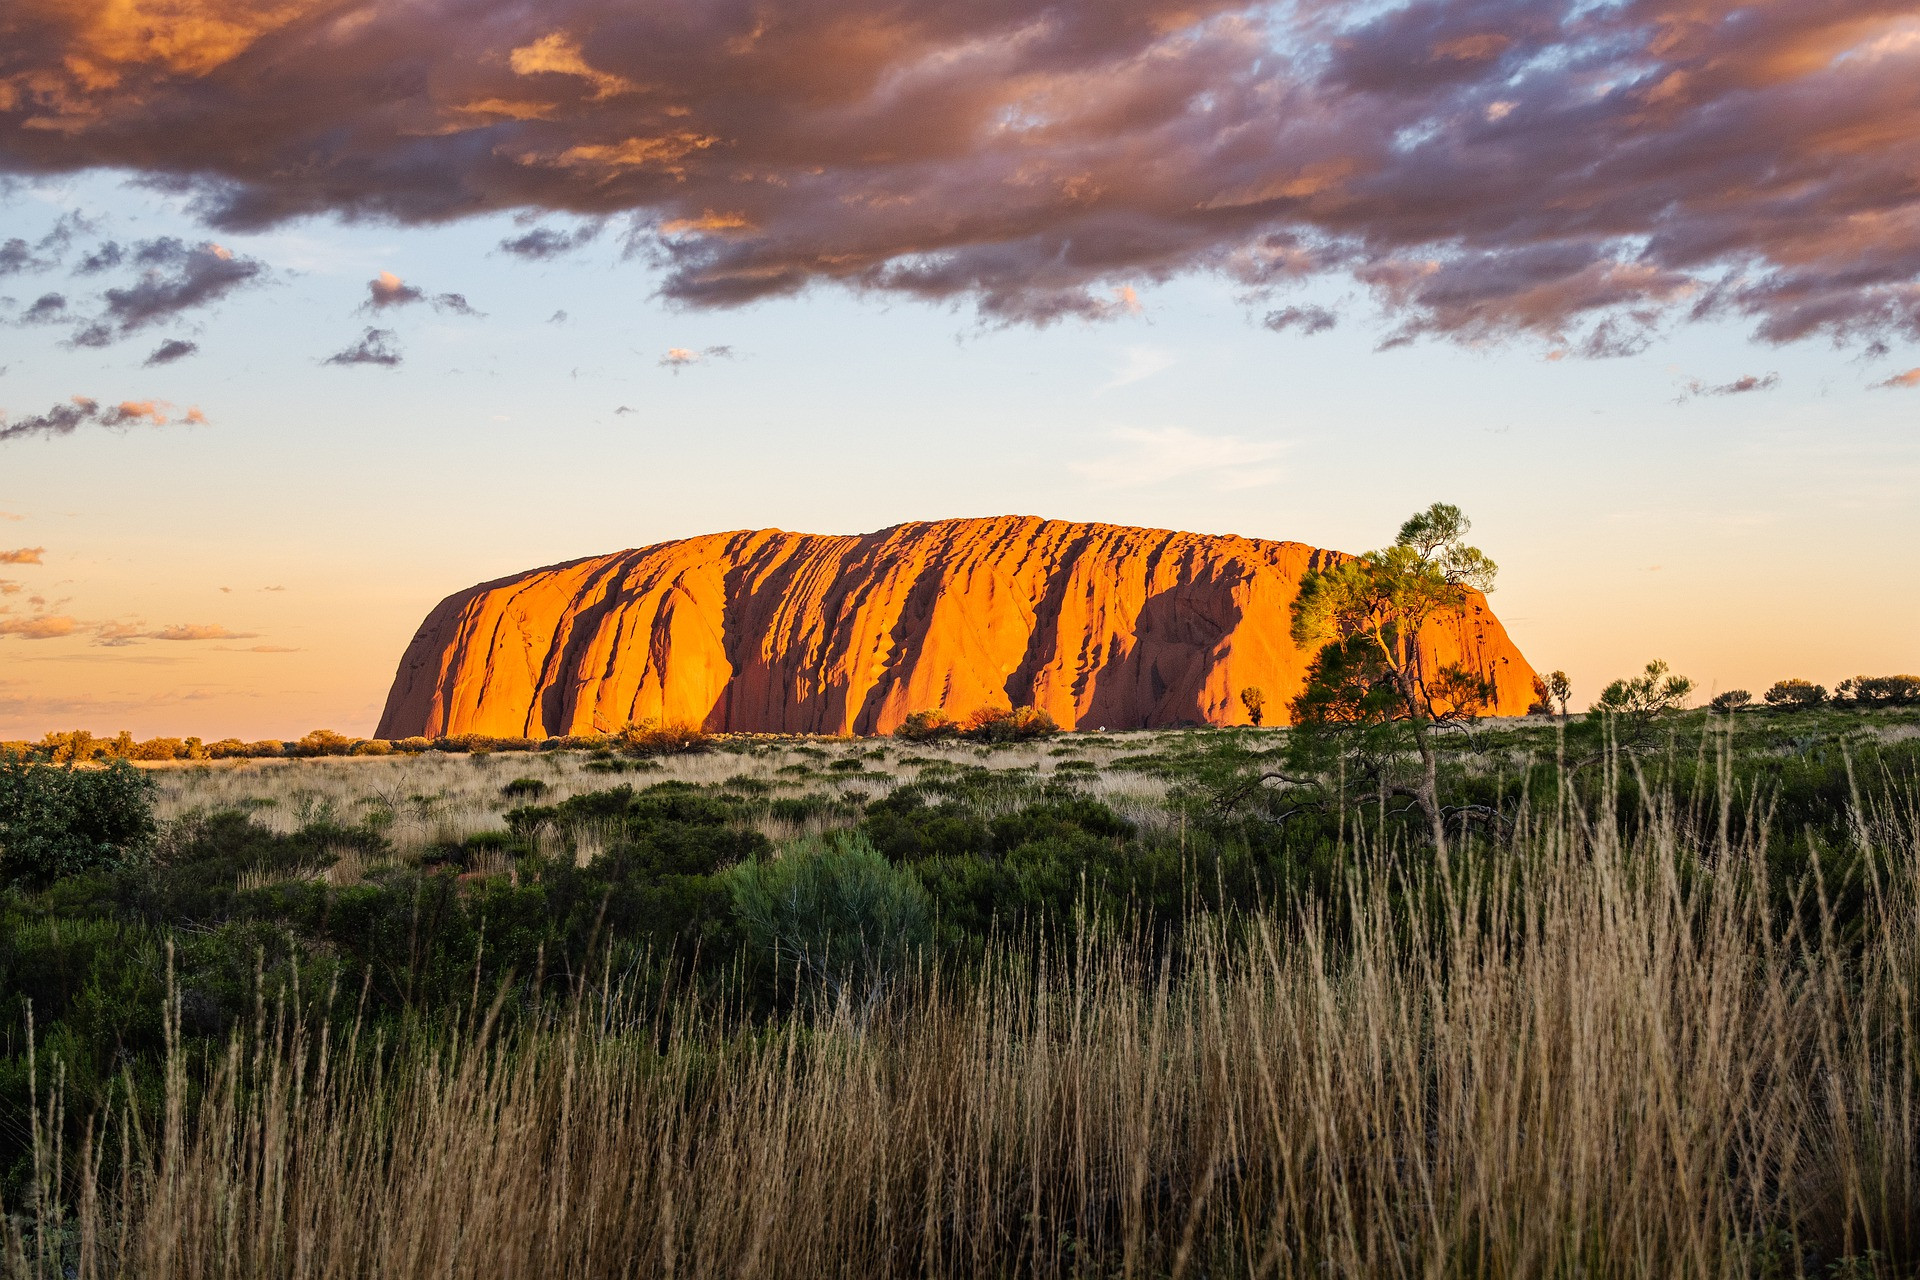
{"points": [[11, 515], [375, 347], [678, 358], [270, 648], [169, 351], [389, 290], [23, 555], [558, 317], [8, 587], [623, 409], [1150, 456], [104, 258], [1581, 175], [199, 631], [177, 277], [1911, 378], [45, 626], [48, 308], [543, 243], [1308, 320], [64, 419], [1140, 363], [1738, 387], [120, 634]]}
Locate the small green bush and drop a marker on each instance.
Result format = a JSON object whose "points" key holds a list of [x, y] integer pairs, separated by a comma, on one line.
{"points": [[1795, 695], [834, 909], [60, 821]]}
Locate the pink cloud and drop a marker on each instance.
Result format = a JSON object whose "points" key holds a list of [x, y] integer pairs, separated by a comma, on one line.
{"points": [[1584, 175]]}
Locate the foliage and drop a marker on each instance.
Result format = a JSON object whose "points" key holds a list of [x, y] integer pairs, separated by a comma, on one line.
{"points": [[1560, 689], [1373, 607], [926, 726], [1653, 692], [1003, 725], [1254, 699], [1795, 695], [1729, 701], [1880, 691], [835, 910], [63, 821], [662, 738]]}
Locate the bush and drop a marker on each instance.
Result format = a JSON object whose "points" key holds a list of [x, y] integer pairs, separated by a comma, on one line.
{"points": [[524, 789], [59, 821], [1002, 725], [1729, 702], [835, 910], [926, 726], [1880, 691], [662, 738], [1795, 695]]}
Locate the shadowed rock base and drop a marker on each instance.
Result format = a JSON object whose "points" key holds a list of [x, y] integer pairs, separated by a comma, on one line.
{"points": [[764, 631]]}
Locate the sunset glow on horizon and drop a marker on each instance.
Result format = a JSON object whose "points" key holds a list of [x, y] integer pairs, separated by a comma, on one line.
{"points": [[315, 313]]}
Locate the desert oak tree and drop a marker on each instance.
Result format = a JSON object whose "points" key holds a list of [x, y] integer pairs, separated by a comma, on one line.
{"points": [[1378, 602]]}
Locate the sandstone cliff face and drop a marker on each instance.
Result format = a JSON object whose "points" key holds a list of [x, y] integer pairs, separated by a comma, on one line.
{"points": [[766, 631]]}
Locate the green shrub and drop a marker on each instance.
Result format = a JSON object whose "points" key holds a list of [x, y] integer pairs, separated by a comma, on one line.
{"points": [[926, 726], [60, 821], [663, 738], [1795, 695], [1001, 725], [1730, 701], [835, 910], [524, 789]]}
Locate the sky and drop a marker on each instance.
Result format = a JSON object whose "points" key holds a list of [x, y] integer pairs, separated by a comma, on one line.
{"points": [[312, 313]]}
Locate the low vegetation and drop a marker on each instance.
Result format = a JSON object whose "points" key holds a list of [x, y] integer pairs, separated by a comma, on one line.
{"points": [[1194, 1002]]}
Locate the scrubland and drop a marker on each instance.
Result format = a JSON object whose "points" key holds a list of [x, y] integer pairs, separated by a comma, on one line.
{"points": [[1103, 1005]]}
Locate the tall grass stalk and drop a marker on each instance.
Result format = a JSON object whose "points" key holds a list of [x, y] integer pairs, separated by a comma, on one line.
{"points": [[1570, 1055]]}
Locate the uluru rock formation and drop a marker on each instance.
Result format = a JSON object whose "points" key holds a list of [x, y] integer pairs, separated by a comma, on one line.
{"points": [[766, 631]]}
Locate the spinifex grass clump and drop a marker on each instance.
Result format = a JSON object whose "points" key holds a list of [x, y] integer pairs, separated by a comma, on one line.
{"points": [[1572, 1054]]}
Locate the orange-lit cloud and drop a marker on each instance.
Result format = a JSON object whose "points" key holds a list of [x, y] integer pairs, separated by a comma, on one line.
{"points": [[117, 634], [1911, 378], [1583, 174], [678, 358], [389, 290], [64, 419], [23, 555], [45, 626]]}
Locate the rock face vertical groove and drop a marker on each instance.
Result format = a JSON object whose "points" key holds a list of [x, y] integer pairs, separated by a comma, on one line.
{"points": [[766, 631]]}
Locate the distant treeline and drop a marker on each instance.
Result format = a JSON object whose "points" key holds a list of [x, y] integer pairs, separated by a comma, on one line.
{"points": [[81, 747]]}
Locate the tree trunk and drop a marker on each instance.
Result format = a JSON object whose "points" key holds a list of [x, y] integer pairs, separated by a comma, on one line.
{"points": [[1427, 793]]}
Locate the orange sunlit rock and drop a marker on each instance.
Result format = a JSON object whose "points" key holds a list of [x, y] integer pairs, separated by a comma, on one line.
{"points": [[766, 631]]}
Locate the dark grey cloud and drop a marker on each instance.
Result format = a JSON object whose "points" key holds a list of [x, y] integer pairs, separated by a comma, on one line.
{"points": [[177, 277], [48, 308], [389, 290], [1738, 387], [543, 243], [80, 411], [376, 346], [1305, 319], [1584, 175], [105, 257], [169, 351]]}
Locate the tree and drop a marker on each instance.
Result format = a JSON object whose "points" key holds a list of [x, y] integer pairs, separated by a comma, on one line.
{"points": [[1255, 701], [1795, 695], [1366, 615], [1729, 702], [1635, 703], [1561, 690], [1542, 704], [1879, 691]]}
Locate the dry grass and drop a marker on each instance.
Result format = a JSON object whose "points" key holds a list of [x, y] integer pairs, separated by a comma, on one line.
{"points": [[441, 798], [1577, 1067]]}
